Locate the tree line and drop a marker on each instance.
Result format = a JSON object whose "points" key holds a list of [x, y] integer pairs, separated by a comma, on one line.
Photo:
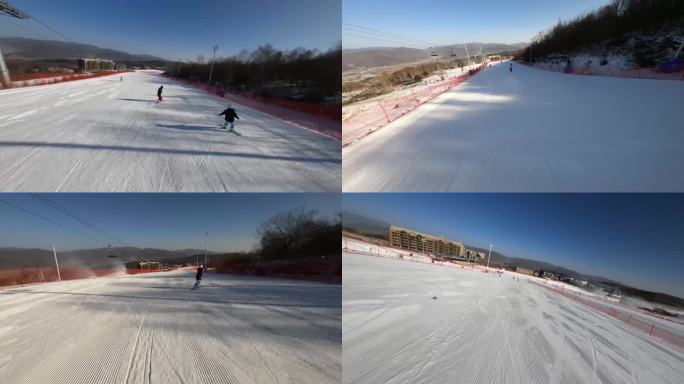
{"points": [[609, 22], [295, 243], [304, 74]]}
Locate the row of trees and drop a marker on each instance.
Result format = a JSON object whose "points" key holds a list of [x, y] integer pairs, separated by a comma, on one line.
{"points": [[609, 22], [299, 233], [298, 244], [299, 73]]}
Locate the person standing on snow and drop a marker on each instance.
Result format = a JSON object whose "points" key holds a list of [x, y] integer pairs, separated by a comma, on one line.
{"points": [[511, 68], [230, 115], [198, 277], [159, 94]]}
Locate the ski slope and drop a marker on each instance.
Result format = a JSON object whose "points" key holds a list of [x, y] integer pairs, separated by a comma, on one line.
{"points": [[480, 328], [103, 134], [530, 130], [153, 328]]}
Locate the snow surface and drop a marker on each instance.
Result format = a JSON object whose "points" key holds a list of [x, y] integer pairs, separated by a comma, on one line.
{"points": [[106, 135], [481, 328], [152, 328], [530, 130]]}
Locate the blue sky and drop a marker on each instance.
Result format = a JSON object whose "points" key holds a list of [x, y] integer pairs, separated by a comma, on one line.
{"points": [[170, 221], [633, 238], [183, 29], [444, 22]]}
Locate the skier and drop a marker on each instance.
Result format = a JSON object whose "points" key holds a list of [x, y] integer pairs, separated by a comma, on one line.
{"points": [[121, 79], [159, 94], [230, 115], [198, 277], [511, 68]]}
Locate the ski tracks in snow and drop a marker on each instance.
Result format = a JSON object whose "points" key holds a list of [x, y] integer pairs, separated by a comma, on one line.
{"points": [[102, 136]]}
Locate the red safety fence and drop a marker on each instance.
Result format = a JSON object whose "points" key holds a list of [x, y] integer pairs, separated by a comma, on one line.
{"points": [[650, 328], [315, 116], [611, 71], [21, 81], [369, 116], [22, 276]]}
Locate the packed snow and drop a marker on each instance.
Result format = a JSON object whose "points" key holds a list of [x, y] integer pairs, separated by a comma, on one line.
{"points": [[423, 323], [529, 130], [109, 135], [152, 328]]}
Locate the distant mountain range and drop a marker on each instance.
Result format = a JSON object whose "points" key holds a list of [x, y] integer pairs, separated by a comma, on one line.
{"points": [[11, 258], [19, 48], [375, 227], [374, 57]]}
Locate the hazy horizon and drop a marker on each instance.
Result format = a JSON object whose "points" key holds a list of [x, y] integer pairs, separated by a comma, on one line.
{"points": [[532, 226], [175, 30], [171, 221], [445, 22]]}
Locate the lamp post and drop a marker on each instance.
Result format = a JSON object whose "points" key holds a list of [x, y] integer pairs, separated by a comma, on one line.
{"points": [[205, 249], [59, 277], [213, 58], [489, 256]]}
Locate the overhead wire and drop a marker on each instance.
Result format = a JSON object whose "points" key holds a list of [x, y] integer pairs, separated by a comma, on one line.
{"points": [[10, 19], [410, 45], [49, 220], [77, 218], [368, 30], [52, 29]]}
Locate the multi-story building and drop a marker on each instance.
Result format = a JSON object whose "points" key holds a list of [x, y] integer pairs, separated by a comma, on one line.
{"points": [[421, 242], [525, 271], [95, 65], [475, 256]]}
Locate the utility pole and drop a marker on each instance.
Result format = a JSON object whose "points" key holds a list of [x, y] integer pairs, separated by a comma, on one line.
{"points": [[467, 54], [489, 256], [6, 9], [205, 249], [59, 277], [213, 58]]}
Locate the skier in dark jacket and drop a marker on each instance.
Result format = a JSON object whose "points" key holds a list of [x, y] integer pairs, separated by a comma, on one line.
{"points": [[159, 94], [511, 67], [198, 277], [230, 115]]}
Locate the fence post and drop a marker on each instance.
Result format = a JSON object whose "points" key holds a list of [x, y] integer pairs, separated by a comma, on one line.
{"points": [[383, 110]]}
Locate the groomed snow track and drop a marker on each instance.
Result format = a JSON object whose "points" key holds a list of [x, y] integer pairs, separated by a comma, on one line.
{"points": [[103, 134], [423, 323], [152, 328], [529, 131]]}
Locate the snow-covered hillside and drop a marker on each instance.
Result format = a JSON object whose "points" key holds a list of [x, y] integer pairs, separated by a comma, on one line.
{"points": [[109, 135], [152, 328], [423, 323], [529, 130]]}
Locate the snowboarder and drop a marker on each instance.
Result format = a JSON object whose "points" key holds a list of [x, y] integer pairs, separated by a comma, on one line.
{"points": [[198, 277], [159, 94], [230, 115], [511, 68]]}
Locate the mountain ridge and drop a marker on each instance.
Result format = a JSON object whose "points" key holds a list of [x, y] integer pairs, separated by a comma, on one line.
{"points": [[21, 48]]}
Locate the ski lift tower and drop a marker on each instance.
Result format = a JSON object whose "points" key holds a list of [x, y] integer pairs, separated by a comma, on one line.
{"points": [[467, 54], [8, 10]]}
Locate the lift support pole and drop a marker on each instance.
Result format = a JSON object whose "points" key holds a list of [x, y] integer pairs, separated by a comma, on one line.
{"points": [[4, 73], [7, 9]]}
